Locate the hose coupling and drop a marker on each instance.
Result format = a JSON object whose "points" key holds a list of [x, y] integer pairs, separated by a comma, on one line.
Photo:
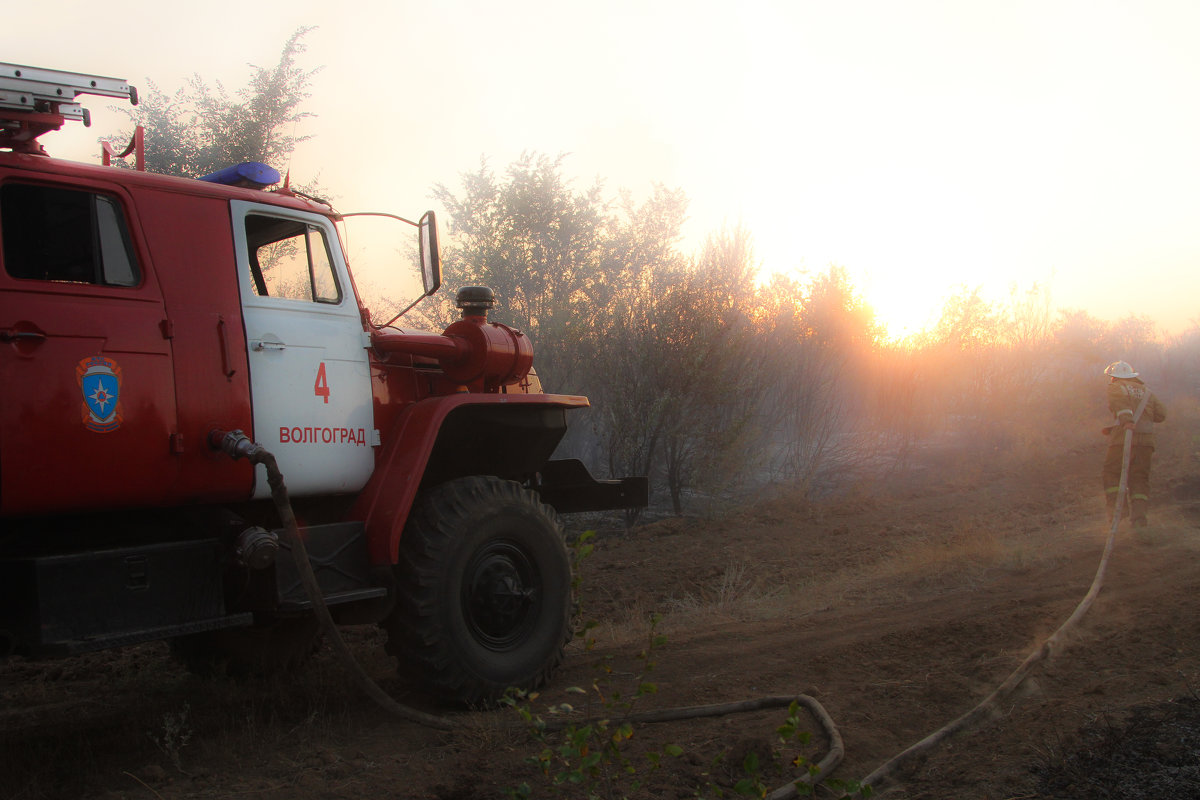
{"points": [[234, 444], [256, 548]]}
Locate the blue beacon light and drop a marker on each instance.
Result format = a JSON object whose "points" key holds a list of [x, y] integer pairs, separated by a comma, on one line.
{"points": [[250, 174]]}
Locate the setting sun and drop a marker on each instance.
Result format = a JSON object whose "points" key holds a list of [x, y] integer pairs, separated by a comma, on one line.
{"points": [[902, 308]]}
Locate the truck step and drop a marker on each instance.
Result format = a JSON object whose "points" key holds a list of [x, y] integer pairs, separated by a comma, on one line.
{"points": [[126, 638]]}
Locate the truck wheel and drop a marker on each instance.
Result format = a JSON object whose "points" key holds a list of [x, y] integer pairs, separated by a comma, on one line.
{"points": [[281, 646], [484, 591]]}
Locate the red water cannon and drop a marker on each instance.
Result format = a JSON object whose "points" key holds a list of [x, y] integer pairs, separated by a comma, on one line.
{"points": [[473, 352]]}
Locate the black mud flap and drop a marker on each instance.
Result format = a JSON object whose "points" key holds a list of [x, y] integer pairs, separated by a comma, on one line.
{"points": [[570, 488], [338, 555]]}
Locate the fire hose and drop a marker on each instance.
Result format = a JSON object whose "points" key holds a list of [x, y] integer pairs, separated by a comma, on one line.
{"points": [[237, 445], [882, 775]]}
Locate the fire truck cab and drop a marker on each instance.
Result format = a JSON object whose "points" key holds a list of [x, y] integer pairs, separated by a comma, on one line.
{"points": [[144, 316]]}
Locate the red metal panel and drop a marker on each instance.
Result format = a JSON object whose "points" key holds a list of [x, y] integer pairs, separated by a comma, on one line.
{"points": [[189, 239], [54, 454]]}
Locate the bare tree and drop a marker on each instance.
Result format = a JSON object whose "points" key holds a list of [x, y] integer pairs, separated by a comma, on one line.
{"points": [[821, 337], [711, 362]]}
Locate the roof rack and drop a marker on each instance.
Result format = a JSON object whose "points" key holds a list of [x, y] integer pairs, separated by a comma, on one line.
{"points": [[35, 101]]}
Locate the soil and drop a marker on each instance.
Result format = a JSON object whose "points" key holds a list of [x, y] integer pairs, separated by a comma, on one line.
{"points": [[898, 605]]}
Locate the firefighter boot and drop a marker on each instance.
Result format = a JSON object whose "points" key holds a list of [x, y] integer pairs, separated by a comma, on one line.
{"points": [[1138, 512]]}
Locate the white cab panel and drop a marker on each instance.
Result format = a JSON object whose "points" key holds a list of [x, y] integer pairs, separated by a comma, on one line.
{"points": [[309, 374]]}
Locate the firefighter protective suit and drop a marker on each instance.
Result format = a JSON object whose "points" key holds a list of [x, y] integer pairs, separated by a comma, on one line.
{"points": [[1125, 396]]}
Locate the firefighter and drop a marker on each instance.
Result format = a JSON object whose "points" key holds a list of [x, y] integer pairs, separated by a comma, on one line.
{"points": [[1136, 409]]}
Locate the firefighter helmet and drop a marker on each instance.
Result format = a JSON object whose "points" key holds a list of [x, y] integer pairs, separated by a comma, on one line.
{"points": [[1120, 369]]}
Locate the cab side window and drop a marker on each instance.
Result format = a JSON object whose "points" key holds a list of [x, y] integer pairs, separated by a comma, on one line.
{"points": [[66, 235], [290, 259]]}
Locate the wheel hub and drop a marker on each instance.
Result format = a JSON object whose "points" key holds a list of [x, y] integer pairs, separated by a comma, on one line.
{"points": [[501, 595]]}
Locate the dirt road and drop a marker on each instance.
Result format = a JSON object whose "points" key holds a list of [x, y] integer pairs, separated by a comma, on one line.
{"points": [[899, 607]]}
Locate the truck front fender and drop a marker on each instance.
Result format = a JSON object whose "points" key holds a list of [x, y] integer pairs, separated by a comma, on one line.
{"points": [[441, 438]]}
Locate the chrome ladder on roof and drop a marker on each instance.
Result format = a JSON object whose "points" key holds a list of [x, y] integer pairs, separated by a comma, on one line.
{"points": [[31, 90]]}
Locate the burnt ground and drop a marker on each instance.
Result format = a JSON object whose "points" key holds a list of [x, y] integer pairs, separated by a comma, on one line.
{"points": [[899, 605]]}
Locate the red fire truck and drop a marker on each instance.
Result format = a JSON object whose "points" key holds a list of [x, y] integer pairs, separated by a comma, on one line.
{"points": [[147, 321]]}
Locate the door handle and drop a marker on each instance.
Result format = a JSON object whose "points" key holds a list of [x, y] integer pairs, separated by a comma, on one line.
{"points": [[260, 344], [13, 335], [24, 337], [226, 356]]}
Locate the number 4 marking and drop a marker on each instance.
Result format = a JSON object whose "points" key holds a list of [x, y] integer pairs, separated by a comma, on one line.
{"points": [[321, 387]]}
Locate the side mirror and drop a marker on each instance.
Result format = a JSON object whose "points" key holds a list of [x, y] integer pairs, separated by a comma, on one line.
{"points": [[431, 253]]}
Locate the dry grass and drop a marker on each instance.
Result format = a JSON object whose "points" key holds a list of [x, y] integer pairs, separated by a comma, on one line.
{"points": [[137, 717], [965, 557]]}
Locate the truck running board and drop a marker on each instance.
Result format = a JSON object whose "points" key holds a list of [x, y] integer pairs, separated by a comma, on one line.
{"points": [[127, 638]]}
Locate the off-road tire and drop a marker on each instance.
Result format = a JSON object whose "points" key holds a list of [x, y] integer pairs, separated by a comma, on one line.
{"points": [[484, 591]]}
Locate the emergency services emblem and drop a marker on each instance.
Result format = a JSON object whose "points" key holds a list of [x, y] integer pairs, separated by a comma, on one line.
{"points": [[99, 379]]}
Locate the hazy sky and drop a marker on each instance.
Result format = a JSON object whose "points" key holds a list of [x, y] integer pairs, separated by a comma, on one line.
{"points": [[921, 145]]}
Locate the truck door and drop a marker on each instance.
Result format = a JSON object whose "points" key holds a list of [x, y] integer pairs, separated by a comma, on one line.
{"points": [[310, 383], [88, 415]]}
